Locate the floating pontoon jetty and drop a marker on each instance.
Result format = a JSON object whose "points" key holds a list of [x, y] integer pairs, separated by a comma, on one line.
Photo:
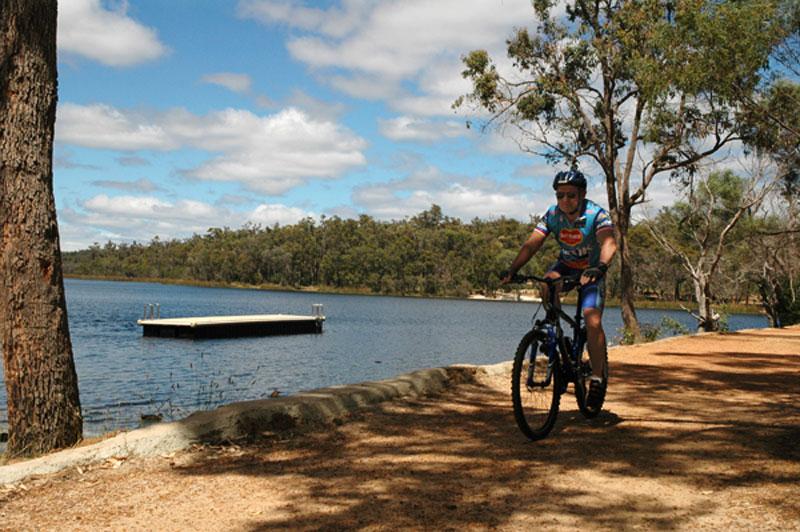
{"points": [[232, 326]]}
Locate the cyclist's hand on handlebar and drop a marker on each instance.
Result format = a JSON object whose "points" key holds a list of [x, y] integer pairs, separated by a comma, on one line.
{"points": [[594, 274], [506, 277]]}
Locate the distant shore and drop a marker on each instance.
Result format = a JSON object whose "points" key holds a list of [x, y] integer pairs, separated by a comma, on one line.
{"points": [[728, 308]]}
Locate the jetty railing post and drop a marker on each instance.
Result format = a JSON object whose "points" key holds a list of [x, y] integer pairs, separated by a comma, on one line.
{"points": [[144, 312], [316, 311], [158, 311]]}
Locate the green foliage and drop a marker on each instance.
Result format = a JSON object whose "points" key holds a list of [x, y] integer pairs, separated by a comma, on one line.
{"points": [[788, 311], [694, 224], [687, 65], [484, 76], [428, 254], [651, 332], [772, 125], [647, 333], [723, 324], [673, 326], [779, 296], [638, 87]]}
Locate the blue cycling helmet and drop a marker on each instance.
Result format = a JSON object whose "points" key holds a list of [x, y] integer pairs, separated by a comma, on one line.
{"points": [[569, 177]]}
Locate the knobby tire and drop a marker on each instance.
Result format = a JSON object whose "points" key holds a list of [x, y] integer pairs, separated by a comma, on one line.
{"points": [[582, 383], [536, 408]]}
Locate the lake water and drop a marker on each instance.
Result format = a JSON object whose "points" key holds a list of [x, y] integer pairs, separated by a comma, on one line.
{"points": [[123, 375]]}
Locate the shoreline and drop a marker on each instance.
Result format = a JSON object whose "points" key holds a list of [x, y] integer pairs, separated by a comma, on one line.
{"points": [[732, 308], [419, 376], [452, 457]]}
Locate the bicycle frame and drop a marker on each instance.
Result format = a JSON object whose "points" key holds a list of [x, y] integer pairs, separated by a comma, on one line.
{"points": [[551, 338]]}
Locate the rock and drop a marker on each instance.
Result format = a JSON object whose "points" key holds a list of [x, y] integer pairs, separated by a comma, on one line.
{"points": [[150, 419]]}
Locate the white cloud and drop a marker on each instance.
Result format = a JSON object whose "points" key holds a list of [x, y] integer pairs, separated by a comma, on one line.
{"points": [[269, 154], [537, 169], [271, 214], [109, 37], [239, 83], [132, 160], [135, 206], [399, 38], [65, 159], [334, 22], [127, 218], [233, 199], [322, 110], [102, 126], [458, 196], [438, 85], [366, 87], [370, 49], [140, 185], [417, 129]]}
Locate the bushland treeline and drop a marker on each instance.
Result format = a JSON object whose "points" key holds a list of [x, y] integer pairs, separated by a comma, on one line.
{"points": [[429, 254]]}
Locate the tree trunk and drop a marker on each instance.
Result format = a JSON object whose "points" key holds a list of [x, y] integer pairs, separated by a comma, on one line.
{"points": [[627, 286], [769, 301], [708, 321], [43, 404]]}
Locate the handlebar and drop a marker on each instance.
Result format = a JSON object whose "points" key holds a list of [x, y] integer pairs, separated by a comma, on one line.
{"points": [[570, 281]]}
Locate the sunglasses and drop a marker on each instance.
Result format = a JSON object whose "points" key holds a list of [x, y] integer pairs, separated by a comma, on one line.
{"points": [[570, 195]]}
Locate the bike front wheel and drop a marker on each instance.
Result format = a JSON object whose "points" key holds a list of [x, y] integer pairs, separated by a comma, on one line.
{"points": [[535, 385]]}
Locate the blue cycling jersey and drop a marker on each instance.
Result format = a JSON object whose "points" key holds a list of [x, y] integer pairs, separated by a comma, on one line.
{"points": [[578, 240]]}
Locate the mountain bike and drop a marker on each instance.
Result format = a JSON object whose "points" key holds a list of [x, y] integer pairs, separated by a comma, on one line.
{"points": [[547, 360]]}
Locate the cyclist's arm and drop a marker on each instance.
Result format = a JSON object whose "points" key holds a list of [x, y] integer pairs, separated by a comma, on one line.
{"points": [[528, 249], [608, 246]]}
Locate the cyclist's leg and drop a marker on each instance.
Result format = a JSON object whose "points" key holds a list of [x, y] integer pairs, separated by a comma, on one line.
{"points": [[592, 306], [556, 271], [595, 340]]}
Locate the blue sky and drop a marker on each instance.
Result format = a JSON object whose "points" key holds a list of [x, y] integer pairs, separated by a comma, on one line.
{"points": [[178, 116]]}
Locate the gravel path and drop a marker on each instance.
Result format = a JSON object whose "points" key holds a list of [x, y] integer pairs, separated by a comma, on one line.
{"points": [[698, 432]]}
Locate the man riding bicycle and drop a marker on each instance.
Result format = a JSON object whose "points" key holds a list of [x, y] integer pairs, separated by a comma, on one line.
{"points": [[585, 233]]}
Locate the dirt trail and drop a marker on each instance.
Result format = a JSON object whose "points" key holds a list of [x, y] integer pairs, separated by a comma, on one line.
{"points": [[698, 432]]}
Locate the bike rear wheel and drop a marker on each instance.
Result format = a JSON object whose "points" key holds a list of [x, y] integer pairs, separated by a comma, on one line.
{"points": [[535, 382], [582, 384]]}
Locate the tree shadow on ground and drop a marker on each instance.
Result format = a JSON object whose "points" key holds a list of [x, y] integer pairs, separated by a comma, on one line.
{"points": [[698, 424]]}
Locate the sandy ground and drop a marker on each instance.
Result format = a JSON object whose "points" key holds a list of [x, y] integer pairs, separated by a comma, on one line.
{"points": [[698, 432]]}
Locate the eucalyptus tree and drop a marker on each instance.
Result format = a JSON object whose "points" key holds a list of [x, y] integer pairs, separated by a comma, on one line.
{"points": [[787, 54], [776, 246], [700, 228], [43, 405], [636, 88], [775, 128]]}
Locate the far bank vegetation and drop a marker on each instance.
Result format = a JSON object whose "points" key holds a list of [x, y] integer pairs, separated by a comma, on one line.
{"points": [[431, 254]]}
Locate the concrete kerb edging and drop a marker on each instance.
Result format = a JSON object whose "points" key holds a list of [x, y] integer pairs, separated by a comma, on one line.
{"points": [[237, 420]]}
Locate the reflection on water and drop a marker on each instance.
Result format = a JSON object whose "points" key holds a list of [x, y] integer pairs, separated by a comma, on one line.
{"points": [[123, 375]]}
